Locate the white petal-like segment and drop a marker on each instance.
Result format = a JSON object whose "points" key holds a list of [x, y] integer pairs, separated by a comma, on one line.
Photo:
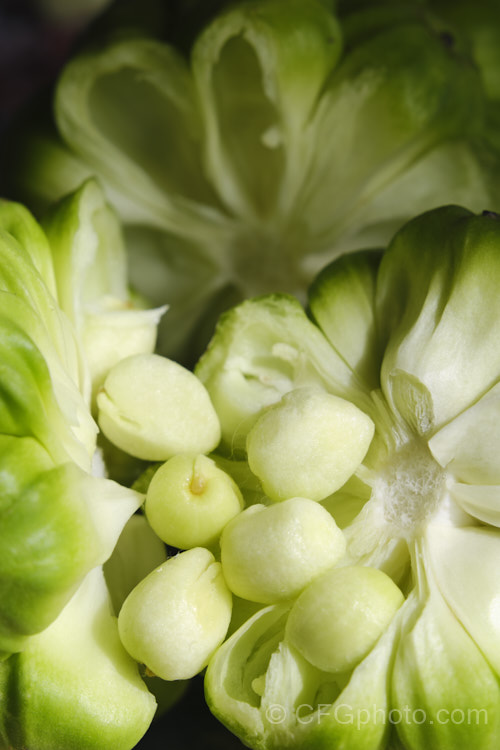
{"points": [[439, 308], [480, 501], [469, 446], [165, 181], [445, 695], [341, 300], [258, 72], [466, 565]]}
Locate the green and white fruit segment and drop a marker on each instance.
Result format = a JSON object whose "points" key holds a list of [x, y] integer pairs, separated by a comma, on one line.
{"points": [[74, 686], [153, 408], [269, 554], [308, 445], [190, 500], [177, 616], [57, 520], [91, 275]]}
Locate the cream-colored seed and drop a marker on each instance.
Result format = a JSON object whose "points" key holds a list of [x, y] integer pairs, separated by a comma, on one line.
{"points": [[308, 445], [153, 408]]}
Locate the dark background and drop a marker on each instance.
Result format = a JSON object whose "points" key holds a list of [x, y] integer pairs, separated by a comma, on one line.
{"points": [[33, 46]]}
